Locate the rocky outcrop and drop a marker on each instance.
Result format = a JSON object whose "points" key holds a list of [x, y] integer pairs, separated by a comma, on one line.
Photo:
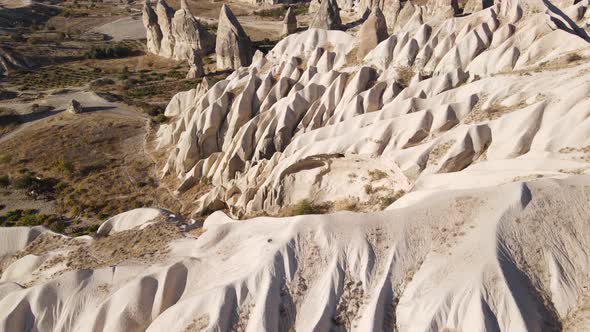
{"points": [[189, 35], [307, 107], [165, 15], [327, 16], [11, 61], [153, 32], [476, 5], [175, 35], [233, 46], [196, 68], [372, 32], [289, 23], [74, 107], [390, 9]]}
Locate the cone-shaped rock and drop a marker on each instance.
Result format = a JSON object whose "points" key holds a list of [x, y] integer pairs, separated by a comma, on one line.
{"points": [[153, 32], [289, 23], [327, 17], [165, 14], [189, 35], [372, 32], [233, 46]]}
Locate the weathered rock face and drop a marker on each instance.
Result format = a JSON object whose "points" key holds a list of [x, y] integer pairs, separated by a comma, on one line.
{"points": [[154, 34], [175, 35], [165, 14], [289, 22], [74, 107], [294, 114], [11, 61], [390, 9], [189, 35], [477, 5], [196, 66], [372, 32], [233, 46], [314, 6], [327, 17]]}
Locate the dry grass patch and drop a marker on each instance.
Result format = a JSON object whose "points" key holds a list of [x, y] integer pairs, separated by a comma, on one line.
{"points": [[377, 175], [493, 112], [438, 151]]}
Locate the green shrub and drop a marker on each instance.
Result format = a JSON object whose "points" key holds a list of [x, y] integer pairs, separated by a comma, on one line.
{"points": [[85, 230], [64, 166], [60, 186], [31, 218], [305, 207], [5, 159], [175, 74], [25, 181], [4, 181], [160, 118], [116, 50]]}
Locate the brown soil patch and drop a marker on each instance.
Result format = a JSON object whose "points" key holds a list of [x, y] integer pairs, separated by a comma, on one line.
{"points": [[147, 246], [98, 157]]}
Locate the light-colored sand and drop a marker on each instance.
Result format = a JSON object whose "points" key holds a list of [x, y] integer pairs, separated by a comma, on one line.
{"points": [[123, 28]]}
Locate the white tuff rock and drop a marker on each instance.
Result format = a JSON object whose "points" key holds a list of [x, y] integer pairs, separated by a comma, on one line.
{"points": [[233, 46], [289, 22], [372, 32], [175, 35], [327, 16]]}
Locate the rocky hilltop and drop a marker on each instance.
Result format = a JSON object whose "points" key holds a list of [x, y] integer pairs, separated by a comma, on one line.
{"points": [[457, 141]]}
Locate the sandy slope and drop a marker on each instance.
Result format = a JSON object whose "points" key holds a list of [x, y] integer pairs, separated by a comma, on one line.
{"points": [[481, 119]]}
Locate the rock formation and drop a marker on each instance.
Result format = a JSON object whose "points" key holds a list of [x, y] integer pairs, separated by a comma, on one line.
{"points": [[327, 16], [196, 66], [176, 35], [390, 9], [289, 23], [372, 32], [476, 5], [189, 35], [165, 15], [233, 46], [11, 61], [153, 32], [74, 107], [465, 140]]}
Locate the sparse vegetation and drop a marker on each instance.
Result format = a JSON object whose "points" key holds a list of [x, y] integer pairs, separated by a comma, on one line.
{"points": [[160, 118], [405, 75], [377, 175], [25, 181], [64, 166], [5, 159], [79, 231], [279, 12], [387, 200], [115, 50], [32, 218], [304, 207], [4, 181], [573, 57]]}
